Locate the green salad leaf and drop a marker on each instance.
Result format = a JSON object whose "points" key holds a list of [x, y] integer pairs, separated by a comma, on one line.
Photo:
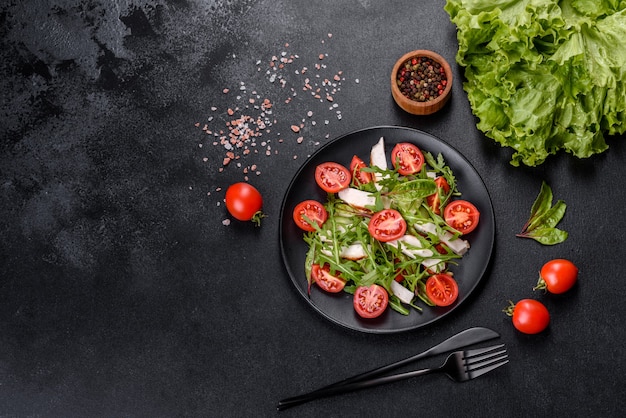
{"points": [[544, 75], [544, 217]]}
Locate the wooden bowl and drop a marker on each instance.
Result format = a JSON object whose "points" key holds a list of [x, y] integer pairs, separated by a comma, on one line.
{"points": [[416, 107]]}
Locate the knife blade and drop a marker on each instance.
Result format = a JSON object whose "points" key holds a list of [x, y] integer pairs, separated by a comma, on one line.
{"points": [[462, 339]]}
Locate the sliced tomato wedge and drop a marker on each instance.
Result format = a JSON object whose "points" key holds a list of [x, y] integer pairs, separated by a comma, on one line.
{"points": [[462, 216], [387, 225], [332, 177], [434, 200], [370, 301], [359, 177], [313, 210], [325, 280], [407, 158], [442, 289]]}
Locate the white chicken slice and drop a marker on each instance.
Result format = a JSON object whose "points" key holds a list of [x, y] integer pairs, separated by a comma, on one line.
{"points": [[411, 246], [357, 198], [458, 245], [354, 251], [377, 155], [404, 294]]}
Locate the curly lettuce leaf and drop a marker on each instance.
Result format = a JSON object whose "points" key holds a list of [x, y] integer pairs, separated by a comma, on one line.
{"points": [[543, 75]]}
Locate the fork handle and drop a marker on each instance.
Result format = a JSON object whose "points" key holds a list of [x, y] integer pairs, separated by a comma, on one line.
{"points": [[350, 387]]}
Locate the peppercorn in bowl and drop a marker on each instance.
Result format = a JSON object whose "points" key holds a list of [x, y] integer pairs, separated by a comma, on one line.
{"points": [[421, 82]]}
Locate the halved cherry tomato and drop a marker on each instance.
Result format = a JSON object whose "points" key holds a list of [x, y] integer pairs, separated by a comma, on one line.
{"points": [[387, 225], [434, 200], [359, 177], [332, 177], [370, 301], [557, 276], [325, 280], [442, 289], [462, 216], [529, 316], [313, 210], [407, 158]]}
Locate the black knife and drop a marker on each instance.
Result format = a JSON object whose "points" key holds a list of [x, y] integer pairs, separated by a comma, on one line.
{"points": [[462, 339]]}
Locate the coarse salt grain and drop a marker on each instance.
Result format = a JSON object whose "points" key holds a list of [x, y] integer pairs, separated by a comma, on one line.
{"points": [[243, 132]]}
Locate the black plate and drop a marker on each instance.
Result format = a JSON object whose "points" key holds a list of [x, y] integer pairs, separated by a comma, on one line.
{"points": [[338, 307]]}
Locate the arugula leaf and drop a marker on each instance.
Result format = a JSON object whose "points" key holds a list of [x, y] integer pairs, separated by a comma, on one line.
{"points": [[541, 226]]}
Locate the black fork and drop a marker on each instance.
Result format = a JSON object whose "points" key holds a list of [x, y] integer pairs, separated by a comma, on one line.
{"points": [[459, 366]]}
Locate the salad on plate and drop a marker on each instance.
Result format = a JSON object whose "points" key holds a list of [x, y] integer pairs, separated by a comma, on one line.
{"points": [[387, 234]]}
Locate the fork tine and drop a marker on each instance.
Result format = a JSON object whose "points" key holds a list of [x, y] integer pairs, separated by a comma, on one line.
{"points": [[483, 360], [475, 373], [476, 362], [479, 351]]}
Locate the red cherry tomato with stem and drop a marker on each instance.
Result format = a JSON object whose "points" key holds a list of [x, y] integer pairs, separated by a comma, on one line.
{"points": [[332, 177], [370, 301], [557, 276], [529, 316], [387, 225], [313, 210], [244, 202], [462, 216], [407, 158], [325, 280], [442, 289]]}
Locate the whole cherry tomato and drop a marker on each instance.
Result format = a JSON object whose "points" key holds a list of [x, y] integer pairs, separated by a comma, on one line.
{"points": [[244, 202], [557, 276], [529, 316]]}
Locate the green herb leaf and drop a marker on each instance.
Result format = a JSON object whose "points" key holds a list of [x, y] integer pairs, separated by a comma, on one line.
{"points": [[541, 226], [542, 202], [549, 218], [396, 305], [414, 189], [546, 236]]}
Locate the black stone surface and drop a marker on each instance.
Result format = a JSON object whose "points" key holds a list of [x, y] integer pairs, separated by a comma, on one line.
{"points": [[123, 293]]}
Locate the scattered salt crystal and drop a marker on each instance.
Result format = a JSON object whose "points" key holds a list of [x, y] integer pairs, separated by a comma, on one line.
{"points": [[226, 222]]}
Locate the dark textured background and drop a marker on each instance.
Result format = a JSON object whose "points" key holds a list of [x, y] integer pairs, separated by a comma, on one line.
{"points": [[122, 293]]}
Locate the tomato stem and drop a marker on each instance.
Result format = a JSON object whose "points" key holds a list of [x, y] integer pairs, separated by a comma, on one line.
{"points": [[256, 218], [509, 309], [541, 285]]}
